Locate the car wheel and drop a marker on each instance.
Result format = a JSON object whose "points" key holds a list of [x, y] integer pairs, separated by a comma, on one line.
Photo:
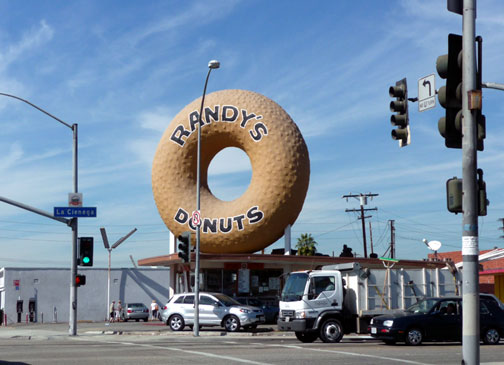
{"points": [[275, 319], [414, 337], [176, 322], [145, 319], [306, 337], [331, 331], [491, 336], [232, 323]]}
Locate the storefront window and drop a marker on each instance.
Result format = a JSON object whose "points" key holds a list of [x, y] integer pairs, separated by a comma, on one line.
{"points": [[265, 283]]}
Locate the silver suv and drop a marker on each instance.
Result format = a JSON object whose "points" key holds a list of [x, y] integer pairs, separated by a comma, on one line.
{"points": [[215, 309]]}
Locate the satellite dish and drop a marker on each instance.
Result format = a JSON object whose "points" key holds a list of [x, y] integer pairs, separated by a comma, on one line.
{"points": [[433, 245]]}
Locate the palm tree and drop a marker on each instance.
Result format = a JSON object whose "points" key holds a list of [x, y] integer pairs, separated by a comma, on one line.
{"points": [[306, 245]]}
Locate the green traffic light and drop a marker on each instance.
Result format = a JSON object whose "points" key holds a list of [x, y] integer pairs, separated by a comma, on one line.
{"points": [[86, 260]]}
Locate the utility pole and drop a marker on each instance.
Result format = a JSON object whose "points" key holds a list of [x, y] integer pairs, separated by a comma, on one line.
{"points": [[392, 239], [363, 201], [502, 221], [371, 238]]}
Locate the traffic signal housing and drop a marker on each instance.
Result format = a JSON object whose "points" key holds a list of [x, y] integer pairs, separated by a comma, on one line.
{"points": [[449, 67], [184, 246], [400, 107], [80, 280], [454, 195], [86, 251]]}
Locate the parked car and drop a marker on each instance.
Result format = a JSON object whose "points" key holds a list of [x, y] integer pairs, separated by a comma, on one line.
{"points": [[493, 298], [270, 311], [136, 311], [215, 309], [437, 319]]}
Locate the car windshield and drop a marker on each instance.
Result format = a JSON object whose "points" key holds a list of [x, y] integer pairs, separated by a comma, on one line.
{"points": [[294, 287], [227, 301], [423, 306]]}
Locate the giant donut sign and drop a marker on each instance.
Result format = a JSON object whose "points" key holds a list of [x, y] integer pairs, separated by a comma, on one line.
{"points": [[280, 171]]}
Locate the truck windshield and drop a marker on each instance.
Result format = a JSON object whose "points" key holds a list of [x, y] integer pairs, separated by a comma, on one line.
{"points": [[294, 287]]}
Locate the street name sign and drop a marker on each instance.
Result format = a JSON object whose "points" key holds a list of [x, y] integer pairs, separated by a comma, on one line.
{"points": [[426, 93], [75, 212]]}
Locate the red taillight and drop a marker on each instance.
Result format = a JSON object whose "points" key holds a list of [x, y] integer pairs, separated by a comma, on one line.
{"points": [[130, 311], [165, 307], [146, 311]]}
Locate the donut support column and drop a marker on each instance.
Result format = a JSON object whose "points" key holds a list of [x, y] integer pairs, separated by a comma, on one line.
{"points": [[280, 171]]}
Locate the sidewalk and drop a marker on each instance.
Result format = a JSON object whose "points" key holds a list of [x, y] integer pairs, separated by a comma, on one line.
{"points": [[54, 330]]}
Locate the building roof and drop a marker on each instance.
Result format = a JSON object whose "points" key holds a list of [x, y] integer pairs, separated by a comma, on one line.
{"points": [[311, 261]]}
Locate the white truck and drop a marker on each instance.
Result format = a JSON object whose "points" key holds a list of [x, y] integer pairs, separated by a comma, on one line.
{"points": [[343, 298]]}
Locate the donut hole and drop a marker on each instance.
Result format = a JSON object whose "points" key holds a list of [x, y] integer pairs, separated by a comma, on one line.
{"points": [[229, 174]]}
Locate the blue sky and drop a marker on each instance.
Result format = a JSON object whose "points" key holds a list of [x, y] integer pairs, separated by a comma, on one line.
{"points": [[123, 69]]}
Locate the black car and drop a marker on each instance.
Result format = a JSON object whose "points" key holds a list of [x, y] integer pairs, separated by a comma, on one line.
{"points": [[436, 319]]}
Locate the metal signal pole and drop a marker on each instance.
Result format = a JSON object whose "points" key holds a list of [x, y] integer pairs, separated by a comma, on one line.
{"points": [[470, 246]]}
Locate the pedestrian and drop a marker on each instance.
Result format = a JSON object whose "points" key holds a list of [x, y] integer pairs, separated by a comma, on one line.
{"points": [[112, 311], [154, 309], [119, 311]]}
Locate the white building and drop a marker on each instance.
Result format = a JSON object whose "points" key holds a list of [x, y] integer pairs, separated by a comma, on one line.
{"points": [[43, 295]]}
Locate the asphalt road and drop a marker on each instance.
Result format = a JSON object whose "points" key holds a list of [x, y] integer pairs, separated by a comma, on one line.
{"points": [[138, 343]]}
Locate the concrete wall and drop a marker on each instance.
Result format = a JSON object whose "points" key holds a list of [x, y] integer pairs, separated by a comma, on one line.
{"points": [[50, 290]]}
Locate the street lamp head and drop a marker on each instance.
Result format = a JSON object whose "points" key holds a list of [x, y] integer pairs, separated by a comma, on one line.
{"points": [[213, 64]]}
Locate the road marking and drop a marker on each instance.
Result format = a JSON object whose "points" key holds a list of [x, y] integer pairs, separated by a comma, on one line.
{"points": [[351, 354], [231, 358]]}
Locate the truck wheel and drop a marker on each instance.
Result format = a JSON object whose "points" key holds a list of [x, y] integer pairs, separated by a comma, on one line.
{"points": [[306, 337], [491, 336], [331, 331], [414, 337]]}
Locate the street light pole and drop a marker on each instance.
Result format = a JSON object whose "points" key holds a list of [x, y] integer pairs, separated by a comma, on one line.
{"points": [[72, 330], [211, 65], [109, 249], [72, 322]]}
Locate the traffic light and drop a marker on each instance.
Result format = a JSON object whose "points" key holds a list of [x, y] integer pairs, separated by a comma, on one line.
{"points": [[184, 246], [482, 196], [454, 195], [449, 67], [86, 251], [400, 107], [80, 280]]}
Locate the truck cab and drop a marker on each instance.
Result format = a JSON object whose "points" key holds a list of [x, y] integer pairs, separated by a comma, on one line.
{"points": [[311, 305]]}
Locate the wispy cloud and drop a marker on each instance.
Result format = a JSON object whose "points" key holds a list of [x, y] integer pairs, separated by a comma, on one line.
{"points": [[32, 39], [11, 157]]}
